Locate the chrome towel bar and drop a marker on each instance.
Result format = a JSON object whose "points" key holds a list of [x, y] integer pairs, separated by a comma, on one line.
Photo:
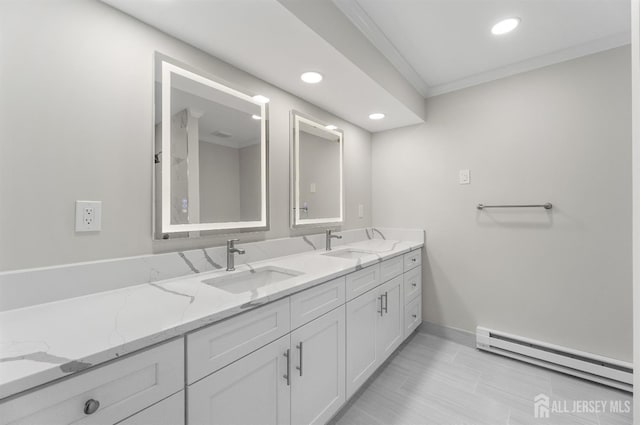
{"points": [[546, 206]]}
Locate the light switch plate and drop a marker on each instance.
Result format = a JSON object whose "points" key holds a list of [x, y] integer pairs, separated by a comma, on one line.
{"points": [[464, 177], [360, 211], [88, 216]]}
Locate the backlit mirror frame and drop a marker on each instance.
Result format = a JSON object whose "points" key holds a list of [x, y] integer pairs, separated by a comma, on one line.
{"points": [[168, 67], [297, 222]]}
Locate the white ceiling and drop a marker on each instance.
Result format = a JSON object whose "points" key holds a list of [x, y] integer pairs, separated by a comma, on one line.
{"points": [[265, 39], [386, 55], [445, 45]]}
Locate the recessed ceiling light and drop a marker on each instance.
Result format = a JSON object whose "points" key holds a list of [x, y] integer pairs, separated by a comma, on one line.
{"points": [[311, 77], [376, 116], [256, 117], [331, 127], [260, 98], [505, 26]]}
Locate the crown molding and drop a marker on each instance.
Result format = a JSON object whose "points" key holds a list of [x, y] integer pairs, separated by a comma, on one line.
{"points": [[363, 22], [563, 55]]}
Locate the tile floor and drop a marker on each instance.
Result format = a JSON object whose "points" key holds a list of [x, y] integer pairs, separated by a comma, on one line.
{"points": [[432, 381]]}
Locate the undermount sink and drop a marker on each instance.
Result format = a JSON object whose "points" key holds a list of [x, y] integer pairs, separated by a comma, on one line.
{"points": [[251, 280], [350, 254]]}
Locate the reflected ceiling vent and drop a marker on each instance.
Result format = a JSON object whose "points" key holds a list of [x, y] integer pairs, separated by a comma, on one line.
{"points": [[222, 134]]}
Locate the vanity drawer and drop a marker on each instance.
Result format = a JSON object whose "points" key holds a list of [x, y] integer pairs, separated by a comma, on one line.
{"points": [[412, 284], [312, 303], [412, 259], [121, 388], [169, 411], [412, 316], [391, 268], [363, 280], [216, 346]]}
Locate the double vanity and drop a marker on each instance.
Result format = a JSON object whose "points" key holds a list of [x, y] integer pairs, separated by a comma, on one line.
{"points": [[286, 340], [286, 333]]}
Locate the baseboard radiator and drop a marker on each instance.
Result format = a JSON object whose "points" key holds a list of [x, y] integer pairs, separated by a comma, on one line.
{"points": [[577, 363]]}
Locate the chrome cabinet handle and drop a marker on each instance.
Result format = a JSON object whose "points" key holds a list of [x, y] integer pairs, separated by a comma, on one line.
{"points": [[287, 354], [381, 311], [413, 260], [386, 302], [414, 316], [90, 406], [414, 284], [299, 347]]}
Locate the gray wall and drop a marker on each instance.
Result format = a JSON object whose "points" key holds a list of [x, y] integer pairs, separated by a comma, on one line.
{"points": [[558, 134], [77, 89]]}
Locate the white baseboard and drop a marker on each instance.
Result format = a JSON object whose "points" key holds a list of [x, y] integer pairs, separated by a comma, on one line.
{"points": [[456, 335]]}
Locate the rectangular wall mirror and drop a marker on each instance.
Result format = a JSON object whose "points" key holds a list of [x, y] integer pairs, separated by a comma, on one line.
{"points": [[210, 155], [317, 196]]}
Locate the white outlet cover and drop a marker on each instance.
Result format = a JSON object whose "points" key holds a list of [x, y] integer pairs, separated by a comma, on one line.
{"points": [[464, 177], [88, 216], [360, 211]]}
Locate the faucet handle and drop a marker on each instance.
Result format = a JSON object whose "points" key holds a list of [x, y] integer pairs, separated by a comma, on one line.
{"points": [[231, 242]]}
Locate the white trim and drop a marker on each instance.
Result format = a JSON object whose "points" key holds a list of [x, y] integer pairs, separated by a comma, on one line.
{"points": [[533, 63], [361, 20], [167, 227], [297, 221]]}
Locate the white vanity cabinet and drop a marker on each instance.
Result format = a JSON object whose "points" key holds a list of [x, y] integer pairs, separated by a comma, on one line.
{"points": [[317, 373], [252, 390], [374, 330], [105, 395], [296, 379], [293, 361], [412, 292], [391, 319]]}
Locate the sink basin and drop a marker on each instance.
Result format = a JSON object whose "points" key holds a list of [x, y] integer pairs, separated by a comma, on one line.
{"points": [[251, 280], [350, 254]]}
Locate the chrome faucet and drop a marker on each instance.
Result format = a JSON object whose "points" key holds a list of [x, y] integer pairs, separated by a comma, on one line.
{"points": [[329, 237], [231, 249]]}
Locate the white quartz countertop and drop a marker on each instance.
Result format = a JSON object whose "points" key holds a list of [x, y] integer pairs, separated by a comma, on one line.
{"points": [[45, 342]]}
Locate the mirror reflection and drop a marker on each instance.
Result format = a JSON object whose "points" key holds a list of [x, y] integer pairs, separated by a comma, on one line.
{"points": [[211, 152], [317, 186]]}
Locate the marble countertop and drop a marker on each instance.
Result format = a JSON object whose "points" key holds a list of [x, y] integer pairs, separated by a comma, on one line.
{"points": [[45, 342]]}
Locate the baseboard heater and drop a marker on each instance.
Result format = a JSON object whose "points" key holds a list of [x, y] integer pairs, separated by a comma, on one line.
{"points": [[589, 366]]}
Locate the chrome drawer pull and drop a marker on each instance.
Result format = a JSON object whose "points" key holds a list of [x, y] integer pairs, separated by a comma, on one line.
{"points": [[414, 284], [288, 375], [386, 302], [91, 406], [299, 347]]}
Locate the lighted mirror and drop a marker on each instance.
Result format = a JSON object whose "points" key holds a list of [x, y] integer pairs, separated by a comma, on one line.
{"points": [[210, 154], [316, 170]]}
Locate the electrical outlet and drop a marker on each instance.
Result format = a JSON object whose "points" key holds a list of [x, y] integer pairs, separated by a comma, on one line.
{"points": [[360, 211], [464, 177], [88, 216]]}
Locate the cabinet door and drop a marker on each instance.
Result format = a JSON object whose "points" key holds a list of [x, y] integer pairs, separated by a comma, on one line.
{"points": [[252, 390], [317, 382], [362, 359], [391, 322]]}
